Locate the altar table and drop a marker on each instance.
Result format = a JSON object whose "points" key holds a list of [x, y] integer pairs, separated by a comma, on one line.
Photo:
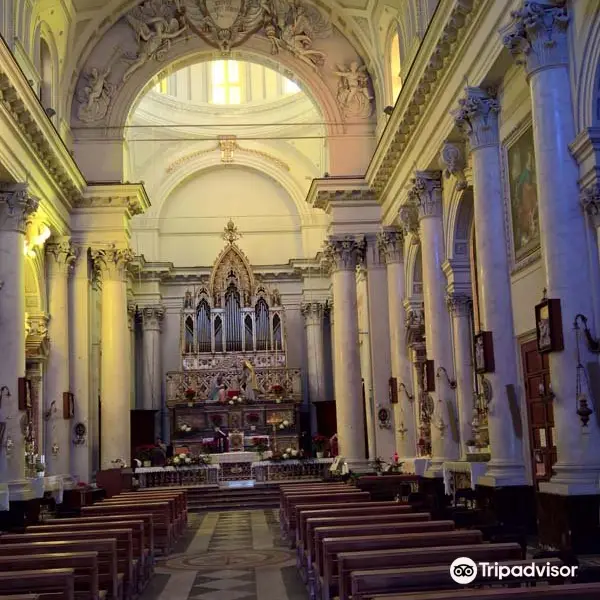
{"points": [[471, 470], [414, 466]]}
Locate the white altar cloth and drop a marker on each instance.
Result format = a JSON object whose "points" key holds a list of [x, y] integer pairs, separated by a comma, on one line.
{"points": [[414, 466], [234, 457]]}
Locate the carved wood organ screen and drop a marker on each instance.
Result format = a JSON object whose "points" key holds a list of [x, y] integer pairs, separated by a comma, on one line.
{"points": [[233, 313]]}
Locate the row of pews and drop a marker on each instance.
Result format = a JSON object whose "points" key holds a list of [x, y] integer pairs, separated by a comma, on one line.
{"points": [[107, 553], [352, 547]]}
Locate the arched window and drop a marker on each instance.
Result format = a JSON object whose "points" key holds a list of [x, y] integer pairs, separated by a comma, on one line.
{"points": [[226, 82], [203, 320], [46, 74], [262, 325], [395, 67]]}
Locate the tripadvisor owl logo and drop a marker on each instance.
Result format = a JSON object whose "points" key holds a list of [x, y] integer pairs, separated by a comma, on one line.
{"points": [[463, 570]]}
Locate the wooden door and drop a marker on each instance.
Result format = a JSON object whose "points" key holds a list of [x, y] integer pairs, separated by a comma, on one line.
{"points": [[540, 413]]}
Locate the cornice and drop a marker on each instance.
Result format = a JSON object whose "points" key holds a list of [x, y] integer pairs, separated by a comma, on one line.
{"points": [[129, 196], [19, 100], [446, 32], [325, 192]]}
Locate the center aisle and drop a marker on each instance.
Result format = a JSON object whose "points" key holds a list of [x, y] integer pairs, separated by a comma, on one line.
{"points": [[233, 555]]}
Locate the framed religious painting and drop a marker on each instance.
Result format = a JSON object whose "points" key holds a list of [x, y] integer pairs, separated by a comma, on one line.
{"points": [[522, 193], [428, 376], [68, 405], [25, 400], [484, 352], [548, 326]]}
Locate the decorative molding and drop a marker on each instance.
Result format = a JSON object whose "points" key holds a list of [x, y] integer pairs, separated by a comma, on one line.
{"points": [[391, 244], [152, 317], [344, 252], [16, 206], [112, 263], [590, 202], [403, 126], [459, 305], [426, 193], [61, 256], [537, 37], [477, 118], [127, 196], [313, 312], [408, 216], [453, 159]]}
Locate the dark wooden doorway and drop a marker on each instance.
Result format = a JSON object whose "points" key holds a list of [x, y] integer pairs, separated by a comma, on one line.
{"points": [[326, 418], [540, 412]]}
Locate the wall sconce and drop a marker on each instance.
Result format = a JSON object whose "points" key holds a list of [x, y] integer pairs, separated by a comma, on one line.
{"points": [[50, 410], [410, 397], [451, 382], [4, 390]]}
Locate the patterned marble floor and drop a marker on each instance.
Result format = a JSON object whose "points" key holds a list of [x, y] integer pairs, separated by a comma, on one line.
{"points": [[229, 556]]}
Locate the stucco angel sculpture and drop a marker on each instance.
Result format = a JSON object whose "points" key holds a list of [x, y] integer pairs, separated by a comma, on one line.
{"points": [[95, 96], [155, 25], [353, 90]]}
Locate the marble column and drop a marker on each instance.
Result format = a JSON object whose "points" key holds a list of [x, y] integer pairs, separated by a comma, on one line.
{"points": [[59, 259], [379, 332], [131, 318], [313, 313], [81, 352], [343, 253], [152, 317], [391, 244], [16, 206], [426, 193], [478, 117], [459, 306], [538, 38], [115, 369]]}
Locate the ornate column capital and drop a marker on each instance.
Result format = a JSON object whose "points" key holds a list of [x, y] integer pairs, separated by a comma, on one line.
{"points": [[459, 305], [313, 312], [590, 202], [537, 37], [16, 206], [453, 159], [37, 342], [61, 255], [112, 262], [477, 118], [344, 252], [390, 242], [426, 193], [408, 215], [152, 316]]}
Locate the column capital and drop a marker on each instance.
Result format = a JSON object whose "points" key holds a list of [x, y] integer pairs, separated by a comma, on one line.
{"points": [[373, 256], [36, 335], [390, 242], [453, 159], [426, 193], [537, 36], [477, 117], [344, 252], [112, 262], [590, 202], [61, 255], [459, 305], [313, 312], [16, 206], [408, 215], [152, 316]]}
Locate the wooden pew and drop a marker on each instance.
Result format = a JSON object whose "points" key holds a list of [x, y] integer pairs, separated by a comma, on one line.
{"points": [[318, 529], [366, 584], [326, 568], [367, 508], [108, 576], [163, 528], [569, 591], [123, 537], [84, 565], [290, 503], [20, 597], [115, 520], [387, 486], [50, 584], [349, 562], [137, 534]]}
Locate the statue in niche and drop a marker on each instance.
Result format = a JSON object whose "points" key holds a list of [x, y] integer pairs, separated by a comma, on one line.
{"points": [[247, 298], [275, 298], [155, 23], [94, 98], [353, 93], [187, 301], [217, 300]]}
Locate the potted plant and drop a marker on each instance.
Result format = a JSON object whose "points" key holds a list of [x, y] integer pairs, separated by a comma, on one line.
{"points": [[190, 394], [319, 443], [277, 390], [259, 446], [471, 446], [252, 419]]}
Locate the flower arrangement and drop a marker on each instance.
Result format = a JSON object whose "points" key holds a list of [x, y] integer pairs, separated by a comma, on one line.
{"points": [[319, 442], [185, 428], [277, 389], [188, 460], [259, 445], [144, 452], [284, 424], [190, 394], [233, 394]]}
